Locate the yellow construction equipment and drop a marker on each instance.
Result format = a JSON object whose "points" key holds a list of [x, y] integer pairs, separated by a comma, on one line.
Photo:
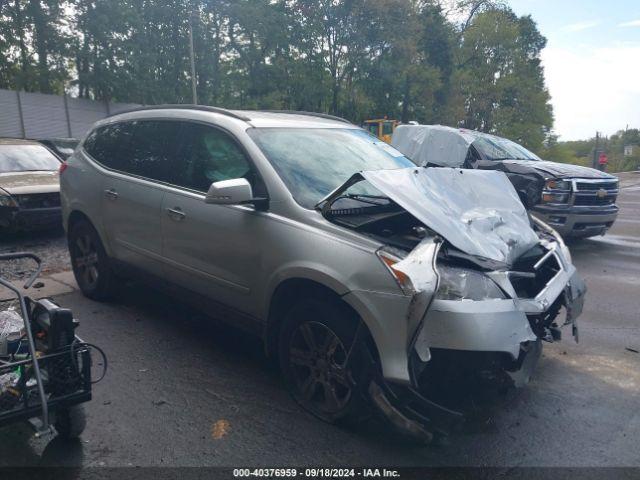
{"points": [[382, 128]]}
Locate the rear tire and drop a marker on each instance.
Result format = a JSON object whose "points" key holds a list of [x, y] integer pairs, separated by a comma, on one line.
{"points": [[90, 262], [316, 336], [70, 422]]}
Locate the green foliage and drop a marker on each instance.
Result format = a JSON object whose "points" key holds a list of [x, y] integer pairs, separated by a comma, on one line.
{"points": [[405, 59], [502, 80], [580, 152]]}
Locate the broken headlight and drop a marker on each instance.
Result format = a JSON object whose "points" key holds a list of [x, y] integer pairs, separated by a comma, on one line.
{"points": [[389, 259], [463, 284]]}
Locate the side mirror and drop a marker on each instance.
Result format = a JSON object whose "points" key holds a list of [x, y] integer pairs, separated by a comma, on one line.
{"points": [[230, 192]]}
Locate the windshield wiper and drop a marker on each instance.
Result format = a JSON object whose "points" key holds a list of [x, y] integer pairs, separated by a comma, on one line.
{"points": [[366, 198]]}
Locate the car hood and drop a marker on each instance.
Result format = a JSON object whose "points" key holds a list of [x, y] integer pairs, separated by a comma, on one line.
{"points": [[17, 183], [476, 211], [560, 170]]}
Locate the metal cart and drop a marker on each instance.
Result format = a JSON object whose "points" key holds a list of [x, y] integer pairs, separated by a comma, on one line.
{"points": [[45, 374]]}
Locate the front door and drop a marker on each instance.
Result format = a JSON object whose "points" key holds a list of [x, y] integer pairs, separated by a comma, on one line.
{"points": [[211, 249]]}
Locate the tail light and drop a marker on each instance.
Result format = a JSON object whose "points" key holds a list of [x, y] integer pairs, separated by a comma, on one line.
{"points": [[62, 168]]}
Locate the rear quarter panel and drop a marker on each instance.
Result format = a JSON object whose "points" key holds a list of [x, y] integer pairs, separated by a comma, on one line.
{"points": [[81, 191]]}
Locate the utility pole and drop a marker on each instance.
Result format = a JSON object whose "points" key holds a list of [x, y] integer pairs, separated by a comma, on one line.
{"points": [[594, 161], [194, 93]]}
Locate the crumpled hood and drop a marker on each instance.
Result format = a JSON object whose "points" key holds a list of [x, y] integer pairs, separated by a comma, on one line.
{"points": [[476, 211], [16, 183], [561, 170]]}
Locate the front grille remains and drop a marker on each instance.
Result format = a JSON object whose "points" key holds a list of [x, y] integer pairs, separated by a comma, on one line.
{"points": [[528, 281], [39, 200]]}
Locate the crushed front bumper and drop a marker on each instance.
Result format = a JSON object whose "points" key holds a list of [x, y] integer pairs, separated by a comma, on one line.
{"points": [[499, 327], [503, 325]]}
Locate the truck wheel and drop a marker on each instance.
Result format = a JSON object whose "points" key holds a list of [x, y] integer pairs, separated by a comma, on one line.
{"points": [[90, 262], [315, 340], [70, 423]]}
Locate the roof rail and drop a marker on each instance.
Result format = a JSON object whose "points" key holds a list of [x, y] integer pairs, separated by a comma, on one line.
{"points": [[185, 106], [312, 114]]}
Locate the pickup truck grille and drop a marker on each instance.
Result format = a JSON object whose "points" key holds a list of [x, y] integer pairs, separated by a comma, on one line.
{"points": [[594, 200], [594, 193], [38, 200], [594, 186]]}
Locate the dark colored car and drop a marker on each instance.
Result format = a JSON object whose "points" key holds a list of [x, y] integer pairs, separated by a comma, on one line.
{"points": [[29, 186], [63, 147], [576, 201]]}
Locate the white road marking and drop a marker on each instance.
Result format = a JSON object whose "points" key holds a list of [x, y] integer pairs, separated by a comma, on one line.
{"points": [[627, 220], [619, 240]]}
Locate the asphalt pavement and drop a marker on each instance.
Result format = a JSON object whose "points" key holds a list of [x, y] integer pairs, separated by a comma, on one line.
{"points": [[183, 390]]}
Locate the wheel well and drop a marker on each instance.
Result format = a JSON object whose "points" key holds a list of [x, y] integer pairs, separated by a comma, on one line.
{"points": [[75, 217], [284, 297]]}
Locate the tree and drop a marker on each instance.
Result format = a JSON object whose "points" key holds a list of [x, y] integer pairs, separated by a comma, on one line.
{"points": [[502, 80], [405, 59], [33, 45]]}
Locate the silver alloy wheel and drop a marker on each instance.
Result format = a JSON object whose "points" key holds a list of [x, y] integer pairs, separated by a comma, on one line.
{"points": [[318, 361], [86, 260]]}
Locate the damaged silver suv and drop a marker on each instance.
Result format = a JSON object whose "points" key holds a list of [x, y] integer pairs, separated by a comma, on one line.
{"points": [[357, 268]]}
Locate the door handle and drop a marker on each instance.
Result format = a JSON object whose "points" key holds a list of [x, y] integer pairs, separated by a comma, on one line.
{"points": [[111, 194], [176, 213]]}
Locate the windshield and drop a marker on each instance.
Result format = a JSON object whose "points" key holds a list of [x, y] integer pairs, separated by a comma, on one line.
{"points": [[496, 148], [313, 162], [24, 158]]}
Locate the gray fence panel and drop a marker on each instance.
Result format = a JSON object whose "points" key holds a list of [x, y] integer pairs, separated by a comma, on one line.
{"points": [[84, 113], [9, 115], [43, 115]]}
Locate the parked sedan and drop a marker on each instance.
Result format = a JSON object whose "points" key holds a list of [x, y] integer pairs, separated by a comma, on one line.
{"points": [[29, 186], [576, 201]]}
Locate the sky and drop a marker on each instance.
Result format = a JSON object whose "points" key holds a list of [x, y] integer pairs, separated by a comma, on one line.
{"points": [[592, 63]]}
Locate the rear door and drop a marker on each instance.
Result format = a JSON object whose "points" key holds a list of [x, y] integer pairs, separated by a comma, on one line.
{"points": [[132, 192]]}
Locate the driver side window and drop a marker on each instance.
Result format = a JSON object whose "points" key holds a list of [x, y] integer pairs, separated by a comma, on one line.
{"points": [[209, 155]]}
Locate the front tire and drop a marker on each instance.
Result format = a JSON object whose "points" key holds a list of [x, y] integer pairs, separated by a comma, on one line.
{"points": [[315, 340], [90, 262]]}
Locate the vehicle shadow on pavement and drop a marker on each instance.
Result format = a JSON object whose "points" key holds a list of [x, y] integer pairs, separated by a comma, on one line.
{"points": [[17, 449], [184, 388]]}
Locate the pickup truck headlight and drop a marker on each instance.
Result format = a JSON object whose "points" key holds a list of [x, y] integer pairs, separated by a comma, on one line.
{"points": [[463, 284], [7, 201], [556, 191], [557, 185], [555, 197]]}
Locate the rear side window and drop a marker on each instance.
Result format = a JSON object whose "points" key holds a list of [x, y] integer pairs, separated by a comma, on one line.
{"points": [[108, 144], [145, 148], [151, 153], [209, 155]]}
